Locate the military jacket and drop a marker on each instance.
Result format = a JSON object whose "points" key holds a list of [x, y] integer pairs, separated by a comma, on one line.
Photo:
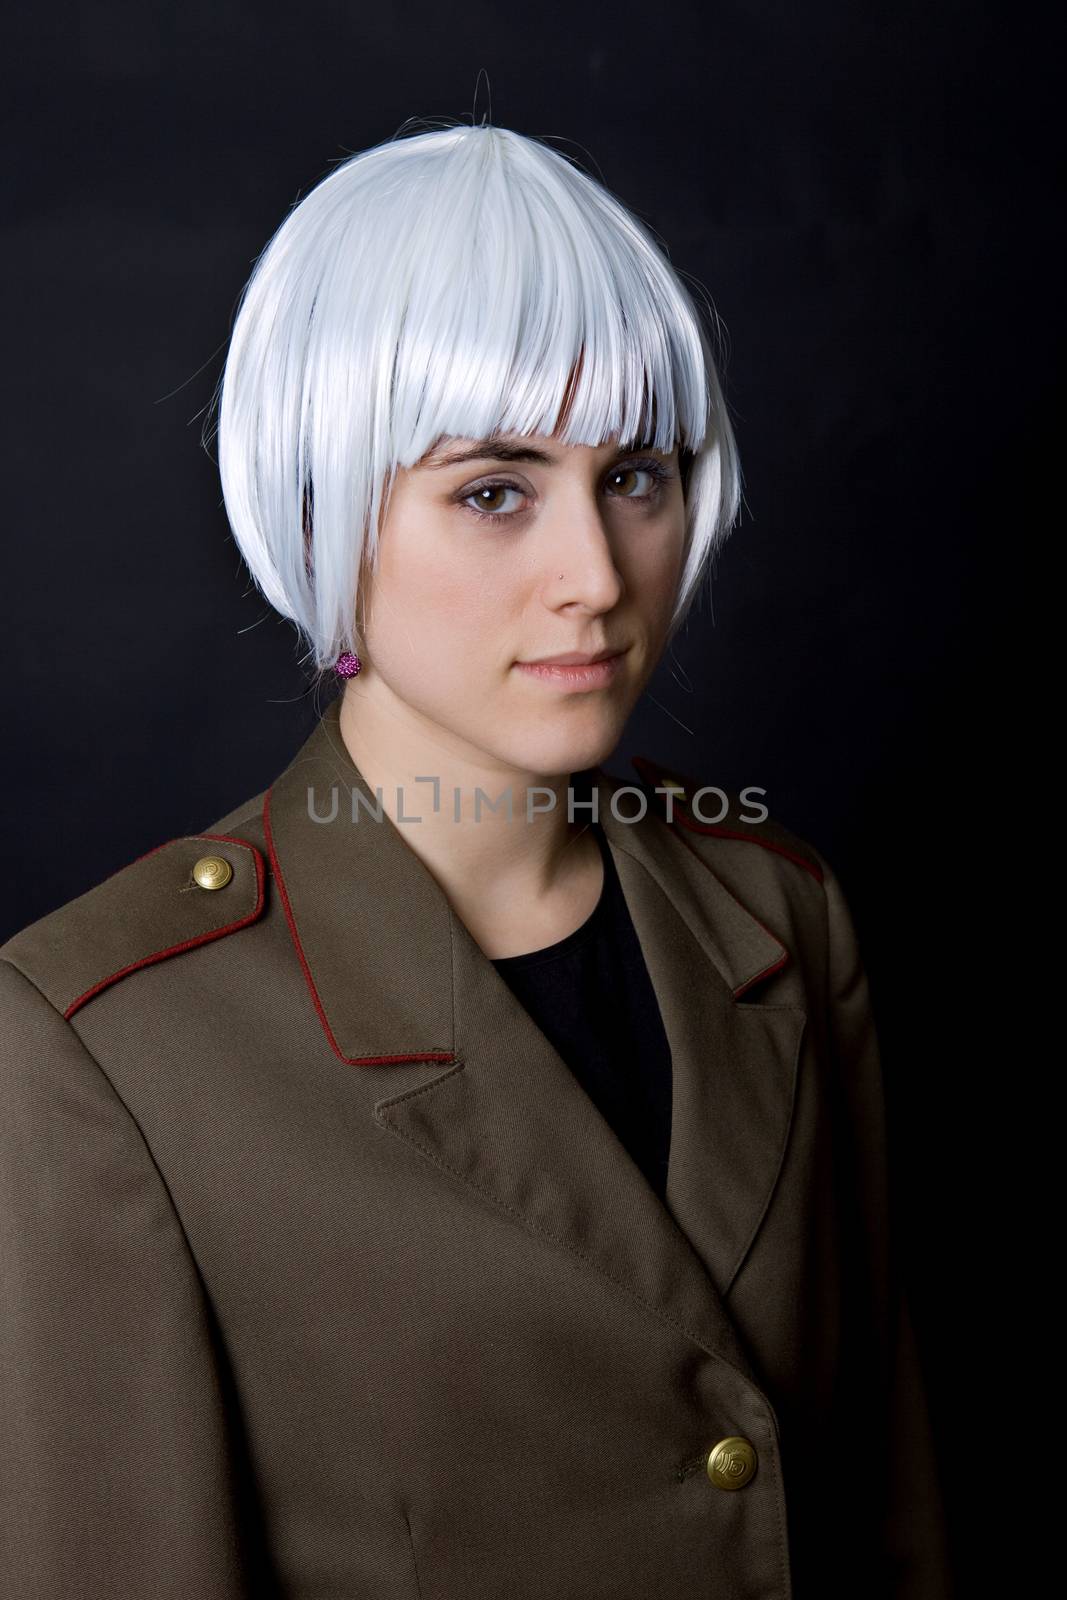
{"points": [[323, 1279]]}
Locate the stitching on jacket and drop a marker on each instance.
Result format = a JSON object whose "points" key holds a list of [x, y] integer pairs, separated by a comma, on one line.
{"points": [[767, 972], [294, 935], [561, 1244], [452, 975], [140, 1131], [213, 931], [411, 1550], [773, 1189]]}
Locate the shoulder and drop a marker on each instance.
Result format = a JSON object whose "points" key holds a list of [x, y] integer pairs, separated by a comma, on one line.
{"points": [[783, 878], [766, 865], [713, 819], [178, 895]]}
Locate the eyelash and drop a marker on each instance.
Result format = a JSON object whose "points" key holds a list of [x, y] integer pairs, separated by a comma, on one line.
{"points": [[660, 474]]}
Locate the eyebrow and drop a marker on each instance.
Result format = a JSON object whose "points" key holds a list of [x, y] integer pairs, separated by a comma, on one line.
{"points": [[499, 450]]}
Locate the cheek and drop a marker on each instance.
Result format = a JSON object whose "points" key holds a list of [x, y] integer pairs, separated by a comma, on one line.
{"points": [[429, 610], [469, 603], [655, 568]]}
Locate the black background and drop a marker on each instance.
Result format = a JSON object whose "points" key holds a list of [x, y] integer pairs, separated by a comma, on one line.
{"points": [[866, 193]]}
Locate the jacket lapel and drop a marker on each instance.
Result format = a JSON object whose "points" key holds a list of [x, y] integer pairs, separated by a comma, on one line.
{"points": [[395, 976]]}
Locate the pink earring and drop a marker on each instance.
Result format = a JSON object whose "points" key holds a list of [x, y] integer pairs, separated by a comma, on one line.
{"points": [[347, 665]]}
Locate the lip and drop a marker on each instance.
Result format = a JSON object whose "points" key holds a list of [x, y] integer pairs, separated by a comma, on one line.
{"points": [[575, 658], [576, 671]]}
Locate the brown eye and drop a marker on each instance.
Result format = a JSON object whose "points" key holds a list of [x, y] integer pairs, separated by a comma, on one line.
{"points": [[488, 499], [623, 472], [647, 469], [484, 499]]}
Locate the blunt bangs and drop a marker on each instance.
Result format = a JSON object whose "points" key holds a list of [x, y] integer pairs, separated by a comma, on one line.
{"points": [[462, 282]]}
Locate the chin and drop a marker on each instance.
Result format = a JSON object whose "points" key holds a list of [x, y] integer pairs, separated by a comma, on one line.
{"points": [[556, 750]]}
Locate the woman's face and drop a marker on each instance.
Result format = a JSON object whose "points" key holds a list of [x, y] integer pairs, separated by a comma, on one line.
{"points": [[488, 562]]}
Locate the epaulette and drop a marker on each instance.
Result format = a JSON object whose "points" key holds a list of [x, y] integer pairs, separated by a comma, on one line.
{"points": [[178, 895], [681, 806]]}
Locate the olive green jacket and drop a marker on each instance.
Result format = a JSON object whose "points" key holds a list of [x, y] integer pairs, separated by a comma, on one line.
{"points": [[323, 1278]]}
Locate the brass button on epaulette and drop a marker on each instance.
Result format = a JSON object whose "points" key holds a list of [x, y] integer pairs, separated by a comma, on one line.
{"points": [[731, 1463], [212, 872]]}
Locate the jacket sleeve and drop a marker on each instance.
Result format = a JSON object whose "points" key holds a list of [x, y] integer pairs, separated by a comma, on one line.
{"points": [[914, 1555], [114, 1473]]}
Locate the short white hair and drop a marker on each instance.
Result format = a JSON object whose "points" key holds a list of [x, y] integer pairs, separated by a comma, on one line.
{"points": [[441, 284]]}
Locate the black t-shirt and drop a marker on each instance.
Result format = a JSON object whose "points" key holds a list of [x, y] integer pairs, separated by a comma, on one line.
{"points": [[592, 998]]}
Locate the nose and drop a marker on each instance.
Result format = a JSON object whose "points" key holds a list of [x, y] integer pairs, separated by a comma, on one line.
{"points": [[579, 560]]}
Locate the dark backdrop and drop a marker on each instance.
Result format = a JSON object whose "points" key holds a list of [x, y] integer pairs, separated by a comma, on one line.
{"points": [[865, 191]]}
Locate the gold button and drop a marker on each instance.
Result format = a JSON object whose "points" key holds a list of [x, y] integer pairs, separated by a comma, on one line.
{"points": [[731, 1463], [212, 872]]}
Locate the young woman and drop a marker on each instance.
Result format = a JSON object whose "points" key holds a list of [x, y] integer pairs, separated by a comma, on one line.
{"points": [[456, 1172]]}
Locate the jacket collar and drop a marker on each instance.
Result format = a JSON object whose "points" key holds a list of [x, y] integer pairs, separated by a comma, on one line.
{"points": [[396, 977], [356, 896]]}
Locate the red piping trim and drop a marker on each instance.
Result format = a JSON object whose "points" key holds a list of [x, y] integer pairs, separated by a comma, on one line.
{"points": [[749, 838], [187, 944], [775, 966], [643, 766], [648, 771], [351, 1061]]}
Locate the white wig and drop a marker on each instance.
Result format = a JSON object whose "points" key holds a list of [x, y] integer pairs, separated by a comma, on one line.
{"points": [[445, 284]]}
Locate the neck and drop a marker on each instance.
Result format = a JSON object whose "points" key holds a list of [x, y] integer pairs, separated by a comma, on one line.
{"points": [[480, 858]]}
